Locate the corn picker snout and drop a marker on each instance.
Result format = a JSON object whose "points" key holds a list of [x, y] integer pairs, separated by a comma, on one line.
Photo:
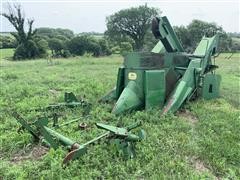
{"points": [[167, 76]]}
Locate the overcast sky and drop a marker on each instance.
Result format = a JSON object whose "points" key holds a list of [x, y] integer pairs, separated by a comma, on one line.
{"points": [[86, 16]]}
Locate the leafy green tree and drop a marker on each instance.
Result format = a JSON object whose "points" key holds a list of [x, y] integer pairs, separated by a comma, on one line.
{"points": [[94, 47], [65, 32], [116, 39], [29, 50], [197, 29], [46, 32], [42, 47], [8, 41], [149, 41], [88, 44], [61, 37], [125, 47], [66, 53], [116, 49], [133, 22], [77, 45], [235, 44], [192, 34], [59, 33], [184, 37], [56, 46], [105, 49]]}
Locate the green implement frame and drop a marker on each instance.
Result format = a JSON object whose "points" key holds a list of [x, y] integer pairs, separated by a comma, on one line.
{"points": [[121, 137]]}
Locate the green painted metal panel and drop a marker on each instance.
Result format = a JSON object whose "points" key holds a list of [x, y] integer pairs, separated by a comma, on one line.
{"points": [[211, 85], [132, 60], [158, 48], [25, 124], [120, 82], [130, 99], [154, 88], [70, 97], [59, 137], [184, 87], [162, 30], [134, 75], [207, 48], [111, 95], [201, 48]]}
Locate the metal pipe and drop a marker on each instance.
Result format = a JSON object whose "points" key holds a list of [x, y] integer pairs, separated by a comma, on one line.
{"points": [[133, 126], [96, 139], [69, 122], [62, 139]]}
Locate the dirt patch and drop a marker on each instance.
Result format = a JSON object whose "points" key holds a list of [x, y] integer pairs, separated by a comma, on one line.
{"points": [[200, 167], [54, 92], [186, 114], [36, 153]]}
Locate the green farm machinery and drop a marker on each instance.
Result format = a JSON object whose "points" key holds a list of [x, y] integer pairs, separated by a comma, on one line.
{"points": [[121, 138], [167, 77]]}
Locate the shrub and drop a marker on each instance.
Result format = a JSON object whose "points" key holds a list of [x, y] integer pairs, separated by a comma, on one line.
{"points": [[105, 50], [125, 47], [66, 53], [7, 42], [94, 47], [88, 44], [116, 49], [62, 38], [26, 51], [56, 46], [42, 47], [77, 45]]}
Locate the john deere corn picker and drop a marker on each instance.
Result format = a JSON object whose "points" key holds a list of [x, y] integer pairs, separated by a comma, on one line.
{"points": [[164, 78], [167, 76]]}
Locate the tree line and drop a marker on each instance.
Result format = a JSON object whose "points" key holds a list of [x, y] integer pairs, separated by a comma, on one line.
{"points": [[127, 30]]}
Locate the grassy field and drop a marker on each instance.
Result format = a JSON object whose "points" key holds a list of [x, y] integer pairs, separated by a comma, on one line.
{"points": [[6, 54], [201, 141]]}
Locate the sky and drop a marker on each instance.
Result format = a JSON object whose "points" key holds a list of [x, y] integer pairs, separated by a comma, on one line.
{"points": [[90, 15]]}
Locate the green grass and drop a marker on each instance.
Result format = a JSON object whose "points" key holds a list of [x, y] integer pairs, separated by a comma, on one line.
{"points": [[6, 54], [203, 142], [230, 72]]}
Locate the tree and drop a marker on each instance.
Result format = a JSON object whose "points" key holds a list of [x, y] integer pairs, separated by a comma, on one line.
{"points": [[8, 41], [105, 50], [77, 45], [56, 46], [149, 41], [125, 47], [94, 47], [88, 44], [42, 47], [26, 48], [192, 34], [16, 17], [133, 22], [184, 37], [197, 29], [59, 33]]}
